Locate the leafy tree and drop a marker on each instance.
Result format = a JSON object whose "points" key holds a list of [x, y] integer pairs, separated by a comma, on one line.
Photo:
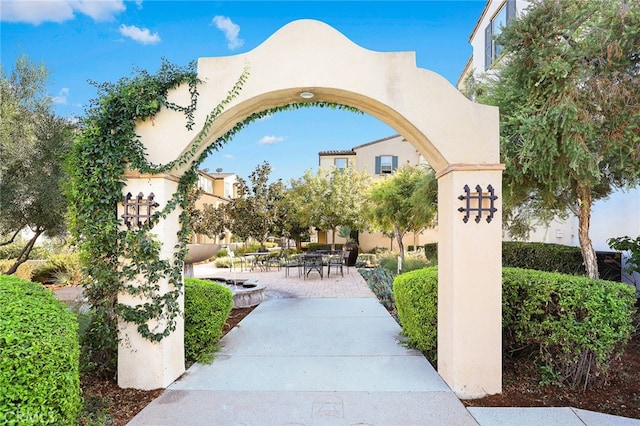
{"points": [[404, 202], [332, 198], [34, 144], [210, 220], [568, 89], [255, 212], [293, 224]]}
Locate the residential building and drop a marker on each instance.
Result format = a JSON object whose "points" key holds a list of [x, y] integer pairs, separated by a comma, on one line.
{"points": [[379, 158], [217, 189], [613, 217]]}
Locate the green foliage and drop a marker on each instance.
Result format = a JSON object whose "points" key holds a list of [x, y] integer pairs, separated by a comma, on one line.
{"points": [[255, 212], [413, 261], [380, 281], [569, 98], [12, 251], [574, 326], [543, 257], [404, 202], [222, 253], [39, 372], [416, 295], [367, 260], [331, 199], [63, 269], [431, 252], [632, 247], [206, 308], [34, 143]]}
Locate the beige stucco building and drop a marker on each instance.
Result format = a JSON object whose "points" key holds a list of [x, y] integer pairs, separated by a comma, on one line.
{"points": [[217, 189], [379, 158]]}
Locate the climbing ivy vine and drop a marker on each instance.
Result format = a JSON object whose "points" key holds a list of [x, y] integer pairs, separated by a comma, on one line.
{"points": [[122, 261]]}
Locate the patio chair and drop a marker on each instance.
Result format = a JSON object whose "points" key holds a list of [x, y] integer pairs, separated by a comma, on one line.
{"points": [[336, 261], [290, 262]]}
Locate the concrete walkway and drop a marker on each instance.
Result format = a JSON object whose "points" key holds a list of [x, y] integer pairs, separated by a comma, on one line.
{"points": [[325, 352]]}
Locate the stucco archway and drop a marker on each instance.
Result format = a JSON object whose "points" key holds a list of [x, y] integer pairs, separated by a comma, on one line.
{"points": [[459, 138]]}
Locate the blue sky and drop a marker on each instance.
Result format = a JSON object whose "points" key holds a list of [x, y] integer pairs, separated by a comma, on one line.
{"points": [[82, 40]]}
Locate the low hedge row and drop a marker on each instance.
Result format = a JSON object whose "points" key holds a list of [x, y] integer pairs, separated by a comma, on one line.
{"points": [[573, 326], [207, 306], [39, 361], [543, 257], [539, 256]]}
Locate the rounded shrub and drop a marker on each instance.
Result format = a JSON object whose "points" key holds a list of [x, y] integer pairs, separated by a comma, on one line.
{"points": [[416, 295], [574, 325], [39, 361], [207, 306]]}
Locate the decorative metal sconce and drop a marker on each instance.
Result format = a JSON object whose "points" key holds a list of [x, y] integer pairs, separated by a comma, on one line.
{"points": [[475, 202], [138, 210]]}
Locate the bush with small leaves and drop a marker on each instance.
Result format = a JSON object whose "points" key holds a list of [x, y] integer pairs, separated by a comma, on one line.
{"points": [[39, 365], [207, 305], [416, 295], [574, 326]]}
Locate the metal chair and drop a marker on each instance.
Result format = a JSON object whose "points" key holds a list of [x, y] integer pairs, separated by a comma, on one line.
{"points": [[336, 261], [292, 262]]}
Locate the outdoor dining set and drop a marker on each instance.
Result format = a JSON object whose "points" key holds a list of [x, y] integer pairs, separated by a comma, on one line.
{"points": [[304, 264]]}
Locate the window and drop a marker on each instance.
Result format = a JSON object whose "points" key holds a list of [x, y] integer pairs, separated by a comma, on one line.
{"points": [[341, 163], [205, 184], [228, 189], [492, 50], [386, 164]]}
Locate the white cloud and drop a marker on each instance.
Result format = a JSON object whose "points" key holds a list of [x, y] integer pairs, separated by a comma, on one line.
{"points": [[141, 35], [39, 11], [270, 140], [230, 31], [228, 156], [61, 99]]}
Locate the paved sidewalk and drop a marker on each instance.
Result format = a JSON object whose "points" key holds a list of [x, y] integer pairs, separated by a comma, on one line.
{"points": [[325, 352]]}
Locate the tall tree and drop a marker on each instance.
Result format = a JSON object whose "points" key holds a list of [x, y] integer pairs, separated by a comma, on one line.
{"points": [[34, 144], [332, 198], [568, 89], [255, 212], [404, 202]]}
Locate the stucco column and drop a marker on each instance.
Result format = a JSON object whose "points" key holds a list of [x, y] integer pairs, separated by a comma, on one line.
{"points": [[143, 364], [469, 284]]}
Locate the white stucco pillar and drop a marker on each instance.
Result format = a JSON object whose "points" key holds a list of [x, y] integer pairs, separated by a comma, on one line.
{"points": [[143, 364], [469, 284]]}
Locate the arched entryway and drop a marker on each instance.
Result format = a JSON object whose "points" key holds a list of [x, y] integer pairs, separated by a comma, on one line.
{"points": [[459, 138]]}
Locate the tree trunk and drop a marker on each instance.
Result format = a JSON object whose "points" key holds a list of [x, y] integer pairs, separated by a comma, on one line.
{"points": [[24, 254], [333, 238], [399, 236], [585, 202]]}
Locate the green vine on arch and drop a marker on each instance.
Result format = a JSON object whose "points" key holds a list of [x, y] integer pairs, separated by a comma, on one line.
{"points": [[121, 261]]}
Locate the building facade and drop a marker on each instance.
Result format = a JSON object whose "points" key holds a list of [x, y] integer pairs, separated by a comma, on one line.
{"points": [[379, 158], [217, 189]]}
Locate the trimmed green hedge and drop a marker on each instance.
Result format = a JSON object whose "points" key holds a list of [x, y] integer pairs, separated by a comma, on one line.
{"points": [[574, 327], [416, 295], [543, 257], [39, 361], [207, 306]]}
